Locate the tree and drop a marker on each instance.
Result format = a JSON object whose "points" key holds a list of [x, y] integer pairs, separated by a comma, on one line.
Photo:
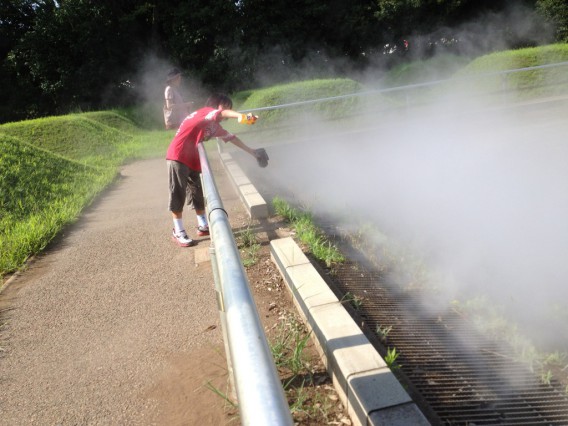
{"points": [[16, 19], [85, 54], [200, 36], [79, 52], [556, 13], [465, 26], [288, 37]]}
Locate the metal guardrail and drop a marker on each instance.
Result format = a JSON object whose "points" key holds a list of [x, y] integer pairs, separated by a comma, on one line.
{"points": [[259, 391], [503, 74]]}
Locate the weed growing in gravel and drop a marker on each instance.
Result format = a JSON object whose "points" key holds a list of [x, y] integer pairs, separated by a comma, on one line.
{"points": [[383, 332], [300, 398], [220, 393], [288, 347], [546, 377], [390, 359], [250, 255], [311, 401], [247, 237], [249, 246], [354, 300]]}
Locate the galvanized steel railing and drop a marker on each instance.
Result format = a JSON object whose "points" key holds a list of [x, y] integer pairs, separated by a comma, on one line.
{"points": [[502, 74], [258, 388]]}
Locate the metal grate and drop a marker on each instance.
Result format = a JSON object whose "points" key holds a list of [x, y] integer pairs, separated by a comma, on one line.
{"points": [[458, 376]]}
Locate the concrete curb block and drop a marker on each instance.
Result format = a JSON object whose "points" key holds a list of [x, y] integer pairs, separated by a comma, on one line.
{"points": [[366, 386]]}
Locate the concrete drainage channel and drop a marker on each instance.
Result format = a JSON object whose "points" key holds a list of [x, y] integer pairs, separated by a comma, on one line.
{"points": [[367, 387]]}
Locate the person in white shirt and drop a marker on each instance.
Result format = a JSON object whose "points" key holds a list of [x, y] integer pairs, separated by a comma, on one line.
{"points": [[175, 109]]}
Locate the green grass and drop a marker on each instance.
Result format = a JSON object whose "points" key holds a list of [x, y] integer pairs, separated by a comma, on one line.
{"points": [[74, 137], [288, 347], [297, 92], [308, 233], [308, 400], [248, 245], [51, 168], [40, 193], [519, 58], [520, 85], [420, 71]]}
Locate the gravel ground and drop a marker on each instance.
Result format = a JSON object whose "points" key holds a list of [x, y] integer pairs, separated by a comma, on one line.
{"points": [[115, 324]]}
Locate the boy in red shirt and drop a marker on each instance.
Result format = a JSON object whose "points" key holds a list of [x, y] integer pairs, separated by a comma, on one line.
{"points": [[184, 166]]}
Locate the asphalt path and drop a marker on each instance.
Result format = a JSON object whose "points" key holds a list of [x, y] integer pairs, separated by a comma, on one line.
{"points": [[110, 324]]}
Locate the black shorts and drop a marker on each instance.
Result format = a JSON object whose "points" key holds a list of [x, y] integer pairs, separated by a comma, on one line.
{"points": [[185, 187]]}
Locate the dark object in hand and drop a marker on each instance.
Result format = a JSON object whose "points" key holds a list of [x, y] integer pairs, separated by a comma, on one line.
{"points": [[261, 157]]}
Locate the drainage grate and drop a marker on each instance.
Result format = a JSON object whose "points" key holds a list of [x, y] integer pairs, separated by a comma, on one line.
{"points": [[456, 374]]}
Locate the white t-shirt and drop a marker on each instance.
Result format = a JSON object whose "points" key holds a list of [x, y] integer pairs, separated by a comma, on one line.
{"points": [[174, 115]]}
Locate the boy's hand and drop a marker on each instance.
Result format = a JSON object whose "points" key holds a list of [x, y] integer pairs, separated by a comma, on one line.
{"points": [[261, 157], [247, 118]]}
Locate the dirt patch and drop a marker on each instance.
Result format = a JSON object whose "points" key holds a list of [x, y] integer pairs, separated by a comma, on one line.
{"points": [[185, 393], [195, 389], [309, 390]]}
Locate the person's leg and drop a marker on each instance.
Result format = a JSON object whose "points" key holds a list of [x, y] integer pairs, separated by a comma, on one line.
{"points": [[178, 221], [195, 193], [178, 173]]}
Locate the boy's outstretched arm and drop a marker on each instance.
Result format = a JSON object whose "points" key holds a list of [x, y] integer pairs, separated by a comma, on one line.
{"points": [[259, 154], [242, 118], [237, 142]]}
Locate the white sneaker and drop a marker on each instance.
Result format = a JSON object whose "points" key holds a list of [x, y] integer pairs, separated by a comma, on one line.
{"points": [[182, 239], [202, 230]]}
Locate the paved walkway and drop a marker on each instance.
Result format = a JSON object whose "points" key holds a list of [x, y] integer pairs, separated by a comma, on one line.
{"points": [[116, 324]]}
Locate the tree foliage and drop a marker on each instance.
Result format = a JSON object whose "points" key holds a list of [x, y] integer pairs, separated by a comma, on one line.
{"points": [[59, 56], [555, 12]]}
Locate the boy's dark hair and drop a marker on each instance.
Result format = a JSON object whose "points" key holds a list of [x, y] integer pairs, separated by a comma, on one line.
{"points": [[219, 99]]}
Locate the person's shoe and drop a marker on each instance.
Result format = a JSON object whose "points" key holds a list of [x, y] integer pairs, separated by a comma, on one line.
{"points": [[202, 230], [182, 239]]}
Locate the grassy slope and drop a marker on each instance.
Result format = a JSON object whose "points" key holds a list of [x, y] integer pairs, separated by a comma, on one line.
{"points": [[475, 76], [437, 68], [88, 138], [520, 58], [51, 168], [527, 84], [298, 92], [40, 193]]}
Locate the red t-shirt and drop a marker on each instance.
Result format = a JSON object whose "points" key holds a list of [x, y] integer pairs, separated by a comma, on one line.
{"points": [[199, 126]]}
